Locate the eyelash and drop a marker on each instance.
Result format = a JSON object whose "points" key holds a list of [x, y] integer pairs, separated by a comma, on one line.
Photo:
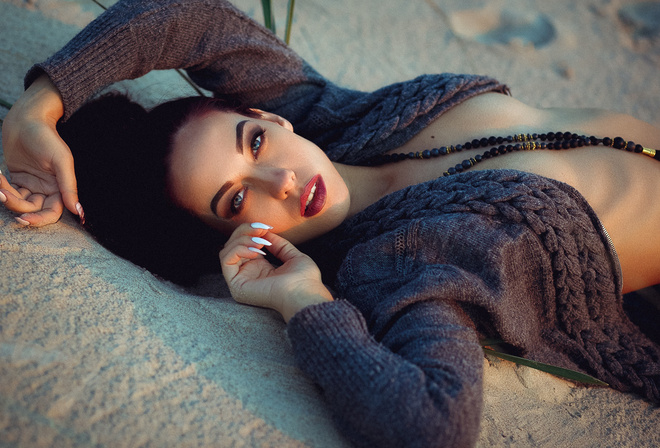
{"points": [[257, 138]]}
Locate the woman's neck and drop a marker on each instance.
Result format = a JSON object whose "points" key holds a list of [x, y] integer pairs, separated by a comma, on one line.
{"points": [[366, 185]]}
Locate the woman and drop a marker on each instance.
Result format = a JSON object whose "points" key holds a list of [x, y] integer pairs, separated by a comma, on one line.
{"points": [[427, 265]]}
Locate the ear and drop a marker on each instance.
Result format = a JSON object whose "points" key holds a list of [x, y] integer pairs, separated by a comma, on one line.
{"points": [[273, 117]]}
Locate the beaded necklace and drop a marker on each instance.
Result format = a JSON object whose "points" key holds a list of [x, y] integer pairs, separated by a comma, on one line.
{"points": [[519, 142]]}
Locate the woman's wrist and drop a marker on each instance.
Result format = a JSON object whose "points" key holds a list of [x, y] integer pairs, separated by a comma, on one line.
{"points": [[41, 101], [299, 301]]}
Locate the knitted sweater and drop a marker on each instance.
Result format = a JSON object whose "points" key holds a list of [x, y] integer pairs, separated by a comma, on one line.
{"points": [[422, 273]]}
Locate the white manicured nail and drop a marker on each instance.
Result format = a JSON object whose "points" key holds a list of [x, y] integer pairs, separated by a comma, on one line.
{"points": [[258, 240], [259, 251], [21, 221], [3, 198], [259, 225]]}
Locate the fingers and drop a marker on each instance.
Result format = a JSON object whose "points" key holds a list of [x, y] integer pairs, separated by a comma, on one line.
{"points": [[35, 209], [50, 213], [245, 243]]}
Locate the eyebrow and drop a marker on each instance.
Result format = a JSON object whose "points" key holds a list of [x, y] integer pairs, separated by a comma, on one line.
{"points": [[227, 185]]}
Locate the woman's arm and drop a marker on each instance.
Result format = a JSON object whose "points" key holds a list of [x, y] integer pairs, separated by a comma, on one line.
{"points": [[224, 50], [419, 384]]}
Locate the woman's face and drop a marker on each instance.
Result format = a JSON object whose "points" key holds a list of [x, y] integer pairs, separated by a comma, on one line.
{"points": [[230, 169]]}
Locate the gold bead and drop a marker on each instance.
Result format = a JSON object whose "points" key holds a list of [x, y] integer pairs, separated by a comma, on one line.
{"points": [[649, 152]]}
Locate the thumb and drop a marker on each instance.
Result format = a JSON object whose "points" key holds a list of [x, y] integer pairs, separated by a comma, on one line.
{"points": [[68, 186]]}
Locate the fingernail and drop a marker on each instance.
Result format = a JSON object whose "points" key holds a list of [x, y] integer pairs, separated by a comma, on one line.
{"points": [[22, 221], [258, 240], [259, 225], [81, 213], [3, 198], [259, 251]]}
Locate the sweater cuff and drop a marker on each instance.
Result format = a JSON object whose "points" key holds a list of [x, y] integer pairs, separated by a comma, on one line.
{"points": [[327, 319]]}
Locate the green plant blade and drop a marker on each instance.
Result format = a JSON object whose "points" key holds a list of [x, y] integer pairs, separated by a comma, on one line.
{"points": [[269, 20], [289, 20], [7, 105], [487, 342], [553, 370]]}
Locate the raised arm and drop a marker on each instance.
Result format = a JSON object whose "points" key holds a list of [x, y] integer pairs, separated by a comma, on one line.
{"points": [[224, 51]]}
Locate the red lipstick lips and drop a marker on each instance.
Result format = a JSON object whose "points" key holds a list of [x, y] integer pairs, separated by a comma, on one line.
{"points": [[313, 198]]}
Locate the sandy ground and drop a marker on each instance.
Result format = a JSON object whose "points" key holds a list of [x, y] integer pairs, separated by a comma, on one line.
{"points": [[94, 351]]}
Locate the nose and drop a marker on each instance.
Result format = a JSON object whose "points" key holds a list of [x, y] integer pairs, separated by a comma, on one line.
{"points": [[278, 182]]}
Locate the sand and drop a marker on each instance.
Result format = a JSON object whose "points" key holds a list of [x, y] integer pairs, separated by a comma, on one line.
{"points": [[95, 351]]}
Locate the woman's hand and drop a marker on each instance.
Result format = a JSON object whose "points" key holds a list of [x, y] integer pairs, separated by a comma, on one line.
{"points": [[253, 280], [40, 163]]}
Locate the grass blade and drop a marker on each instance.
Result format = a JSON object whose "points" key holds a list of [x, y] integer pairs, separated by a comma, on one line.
{"points": [[269, 20], [7, 105], [289, 20], [553, 370]]}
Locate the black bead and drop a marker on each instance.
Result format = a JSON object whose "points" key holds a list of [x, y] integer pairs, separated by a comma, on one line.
{"points": [[593, 140], [573, 143], [475, 143], [458, 148], [493, 151], [492, 140], [639, 148], [535, 136], [618, 143], [451, 170], [559, 135], [607, 141], [565, 144], [466, 164], [411, 155], [459, 168], [630, 146], [568, 135], [487, 155], [435, 152], [551, 136], [444, 151], [499, 140], [516, 147], [543, 137], [509, 139], [478, 158], [467, 145], [426, 154], [483, 142]]}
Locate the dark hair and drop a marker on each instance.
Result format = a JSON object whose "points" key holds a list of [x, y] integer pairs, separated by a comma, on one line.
{"points": [[120, 152]]}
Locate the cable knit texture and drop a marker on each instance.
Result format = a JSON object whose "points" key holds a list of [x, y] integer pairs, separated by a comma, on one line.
{"points": [[425, 271], [523, 256]]}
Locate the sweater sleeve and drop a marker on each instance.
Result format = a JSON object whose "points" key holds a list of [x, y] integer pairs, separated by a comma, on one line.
{"points": [[224, 51], [418, 384]]}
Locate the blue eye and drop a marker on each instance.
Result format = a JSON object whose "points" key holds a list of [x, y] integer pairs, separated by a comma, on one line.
{"points": [[257, 142], [237, 202]]}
